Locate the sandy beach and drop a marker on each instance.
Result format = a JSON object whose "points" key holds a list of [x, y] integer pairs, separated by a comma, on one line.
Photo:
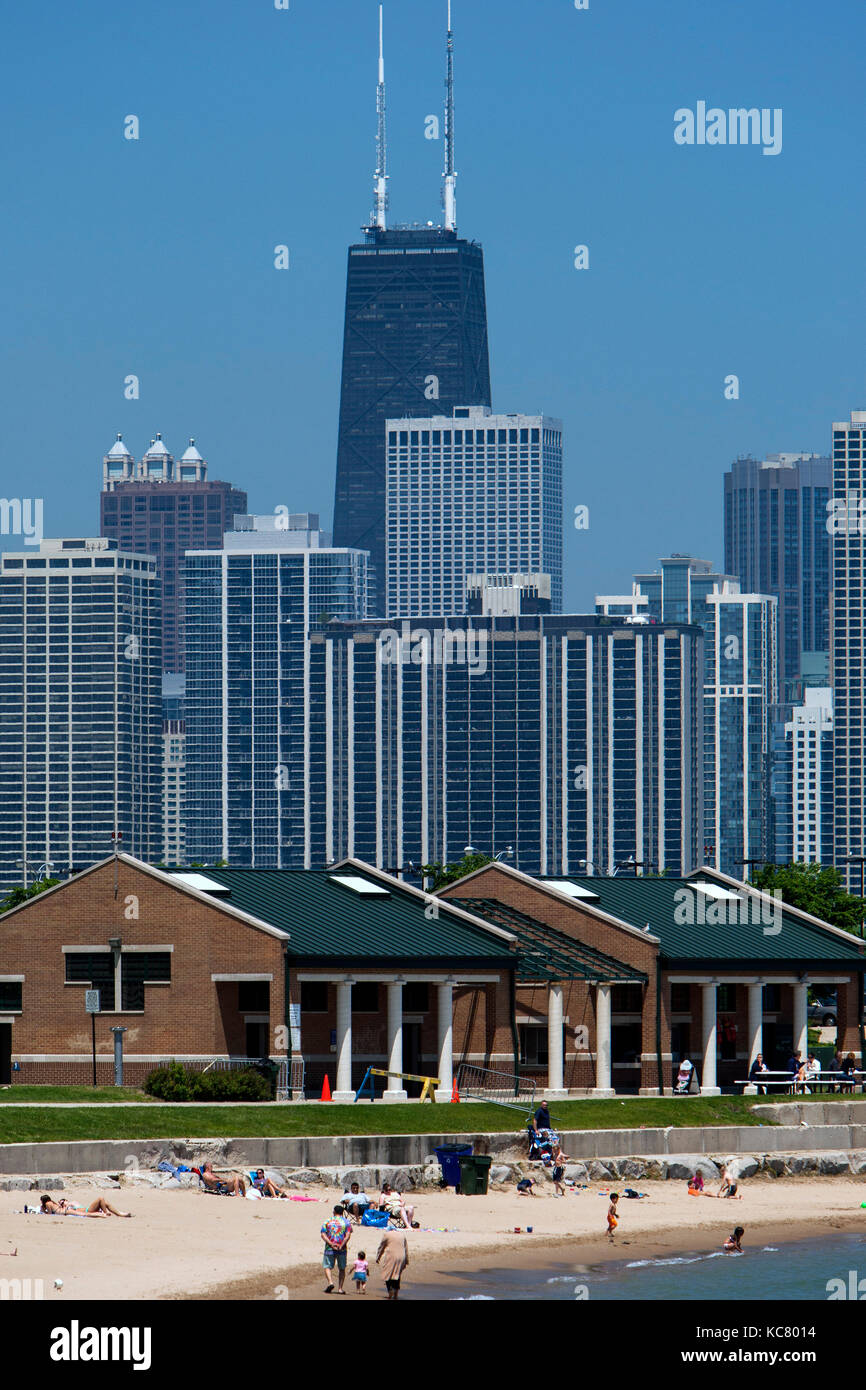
{"points": [[185, 1244]]}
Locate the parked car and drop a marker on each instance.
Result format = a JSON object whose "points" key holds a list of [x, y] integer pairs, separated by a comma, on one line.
{"points": [[822, 1011]]}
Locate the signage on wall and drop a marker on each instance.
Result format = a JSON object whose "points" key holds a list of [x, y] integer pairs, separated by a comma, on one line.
{"points": [[91, 1001]]}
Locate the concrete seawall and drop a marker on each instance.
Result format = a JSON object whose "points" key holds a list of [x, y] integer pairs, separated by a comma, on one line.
{"points": [[405, 1150]]}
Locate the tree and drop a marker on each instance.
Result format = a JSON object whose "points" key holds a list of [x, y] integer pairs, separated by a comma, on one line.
{"points": [[450, 873], [16, 896], [814, 889]]}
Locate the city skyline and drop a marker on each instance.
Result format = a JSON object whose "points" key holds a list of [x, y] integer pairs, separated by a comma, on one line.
{"points": [[208, 324]]}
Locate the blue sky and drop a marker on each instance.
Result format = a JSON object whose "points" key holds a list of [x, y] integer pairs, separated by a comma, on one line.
{"points": [[155, 256]]}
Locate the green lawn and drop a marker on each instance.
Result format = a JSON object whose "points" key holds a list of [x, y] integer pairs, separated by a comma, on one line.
{"points": [[215, 1121], [57, 1094]]}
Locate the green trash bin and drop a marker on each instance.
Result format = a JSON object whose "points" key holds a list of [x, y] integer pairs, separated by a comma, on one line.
{"points": [[468, 1175], [482, 1173]]}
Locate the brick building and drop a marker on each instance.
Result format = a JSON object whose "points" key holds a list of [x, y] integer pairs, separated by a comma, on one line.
{"points": [[620, 978], [346, 968]]}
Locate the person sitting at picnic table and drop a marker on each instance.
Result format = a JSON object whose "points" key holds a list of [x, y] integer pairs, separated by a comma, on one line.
{"points": [[355, 1202], [231, 1184], [794, 1063], [392, 1201], [849, 1067], [758, 1067], [813, 1068]]}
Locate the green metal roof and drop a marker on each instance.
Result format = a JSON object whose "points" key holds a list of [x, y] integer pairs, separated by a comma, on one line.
{"points": [[328, 921], [547, 954], [677, 914]]}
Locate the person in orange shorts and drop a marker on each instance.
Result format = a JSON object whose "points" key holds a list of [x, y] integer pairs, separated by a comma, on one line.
{"points": [[612, 1222]]}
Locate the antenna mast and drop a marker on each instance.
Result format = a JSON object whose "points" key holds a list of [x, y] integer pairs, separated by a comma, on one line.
{"points": [[450, 195], [381, 180]]}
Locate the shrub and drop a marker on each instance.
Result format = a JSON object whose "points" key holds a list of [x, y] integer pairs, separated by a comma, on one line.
{"points": [[175, 1083]]}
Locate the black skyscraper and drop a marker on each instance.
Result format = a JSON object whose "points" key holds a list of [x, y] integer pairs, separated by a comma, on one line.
{"points": [[415, 343]]}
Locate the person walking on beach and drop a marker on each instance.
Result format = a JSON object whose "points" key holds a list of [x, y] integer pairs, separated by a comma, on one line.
{"points": [[612, 1222], [733, 1241], [393, 1256], [336, 1234], [360, 1271]]}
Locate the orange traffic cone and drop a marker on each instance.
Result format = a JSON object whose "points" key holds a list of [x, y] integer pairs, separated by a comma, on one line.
{"points": [[455, 1094], [326, 1088]]}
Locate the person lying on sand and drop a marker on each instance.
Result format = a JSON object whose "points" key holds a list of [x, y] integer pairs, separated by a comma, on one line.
{"points": [[100, 1207], [230, 1184], [733, 1241]]}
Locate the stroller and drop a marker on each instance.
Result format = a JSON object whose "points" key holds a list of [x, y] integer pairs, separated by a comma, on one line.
{"points": [[542, 1145], [687, 1081]]}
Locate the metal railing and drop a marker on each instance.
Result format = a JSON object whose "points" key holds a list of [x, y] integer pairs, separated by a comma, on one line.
{"points": [[290, 1078], [496, 1087]]}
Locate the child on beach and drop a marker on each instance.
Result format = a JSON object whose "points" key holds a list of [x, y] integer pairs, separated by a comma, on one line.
{"points": [[360, 1271], [612, 1222], [524, 1188], [558, 1183], [733, 1241]]}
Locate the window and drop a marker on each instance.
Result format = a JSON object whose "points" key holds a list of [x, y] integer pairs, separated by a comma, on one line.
{"points": [[772, 999], [533, 1045], [365, 998], [314, 997], [10, 997], [727, 1000], [254, 996], [416, 997], [626, 999], [680, 999], [95, 969]]}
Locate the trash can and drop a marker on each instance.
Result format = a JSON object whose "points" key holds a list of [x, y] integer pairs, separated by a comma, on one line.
{"points": [[448, 1157], [468, 1175], [482, 1173]]}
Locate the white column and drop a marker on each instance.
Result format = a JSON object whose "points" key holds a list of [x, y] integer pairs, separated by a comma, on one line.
{"points": [[756, 1022], [801, 1027], [554, 1089], [445, 1066], [394, 1089], [343, 1090], [708, 1074], [603, 1085]]}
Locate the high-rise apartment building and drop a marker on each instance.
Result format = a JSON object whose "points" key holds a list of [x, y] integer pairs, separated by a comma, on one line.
{"points": [[163, 507], [802, 786], [250, 608], [80, 709], [776, 542], [572, 741], [470, 493], [846, 524]]}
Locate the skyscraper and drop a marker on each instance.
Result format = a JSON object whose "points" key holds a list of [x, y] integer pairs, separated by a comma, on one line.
{"points": [[470, 493], [414, 344], [740, 686], [846, 523], [80, 715], [163, 507], [776, 542], [249, 610], [571, 740], [802, 777]]}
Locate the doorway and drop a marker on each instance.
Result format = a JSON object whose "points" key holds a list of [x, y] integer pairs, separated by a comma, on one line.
{"points": [[412, 1056], [5, 1054]]}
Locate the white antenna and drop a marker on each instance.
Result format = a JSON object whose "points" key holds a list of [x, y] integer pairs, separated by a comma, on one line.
{"points": [[450, 196], [381, 180]]}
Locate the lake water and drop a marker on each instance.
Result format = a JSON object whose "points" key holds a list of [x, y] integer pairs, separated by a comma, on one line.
{"points": [[798, 1270]]}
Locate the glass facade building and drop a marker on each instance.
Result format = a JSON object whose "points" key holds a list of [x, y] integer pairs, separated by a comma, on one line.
{"points": [[414, 344], [163, 507], [776, 542], [740, 686], [572, 740], [80, 707], [249, 610], [470, 493]]}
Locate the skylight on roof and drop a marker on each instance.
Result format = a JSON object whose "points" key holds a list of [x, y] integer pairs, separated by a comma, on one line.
{"points": [[570, 890], [365, 887], [203, 884], [715, 890]]}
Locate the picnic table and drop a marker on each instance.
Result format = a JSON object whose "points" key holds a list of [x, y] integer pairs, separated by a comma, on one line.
{"points": [[784, 1080]]}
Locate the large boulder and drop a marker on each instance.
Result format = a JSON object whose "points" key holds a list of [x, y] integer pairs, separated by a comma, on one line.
{"points": [[858, 1163], [501, 1172], [599, 1172], [303, 1176], [576, 1172], [685, 1166], [776, 1164], [833, 1163], [803, 1163], [741, 1166], [15, 1185], [629, 1168]]}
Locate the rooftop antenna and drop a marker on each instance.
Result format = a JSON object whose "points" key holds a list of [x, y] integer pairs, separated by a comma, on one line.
{"points": [[450, 192], [381, 180]]}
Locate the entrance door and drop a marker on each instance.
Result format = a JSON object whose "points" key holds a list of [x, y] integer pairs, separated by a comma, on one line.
{"points": [[412, 1056], [5, 1054], [257, 1039]]}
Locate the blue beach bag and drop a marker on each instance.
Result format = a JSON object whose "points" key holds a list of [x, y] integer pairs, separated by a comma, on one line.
{"points": [[375, 1218]]}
